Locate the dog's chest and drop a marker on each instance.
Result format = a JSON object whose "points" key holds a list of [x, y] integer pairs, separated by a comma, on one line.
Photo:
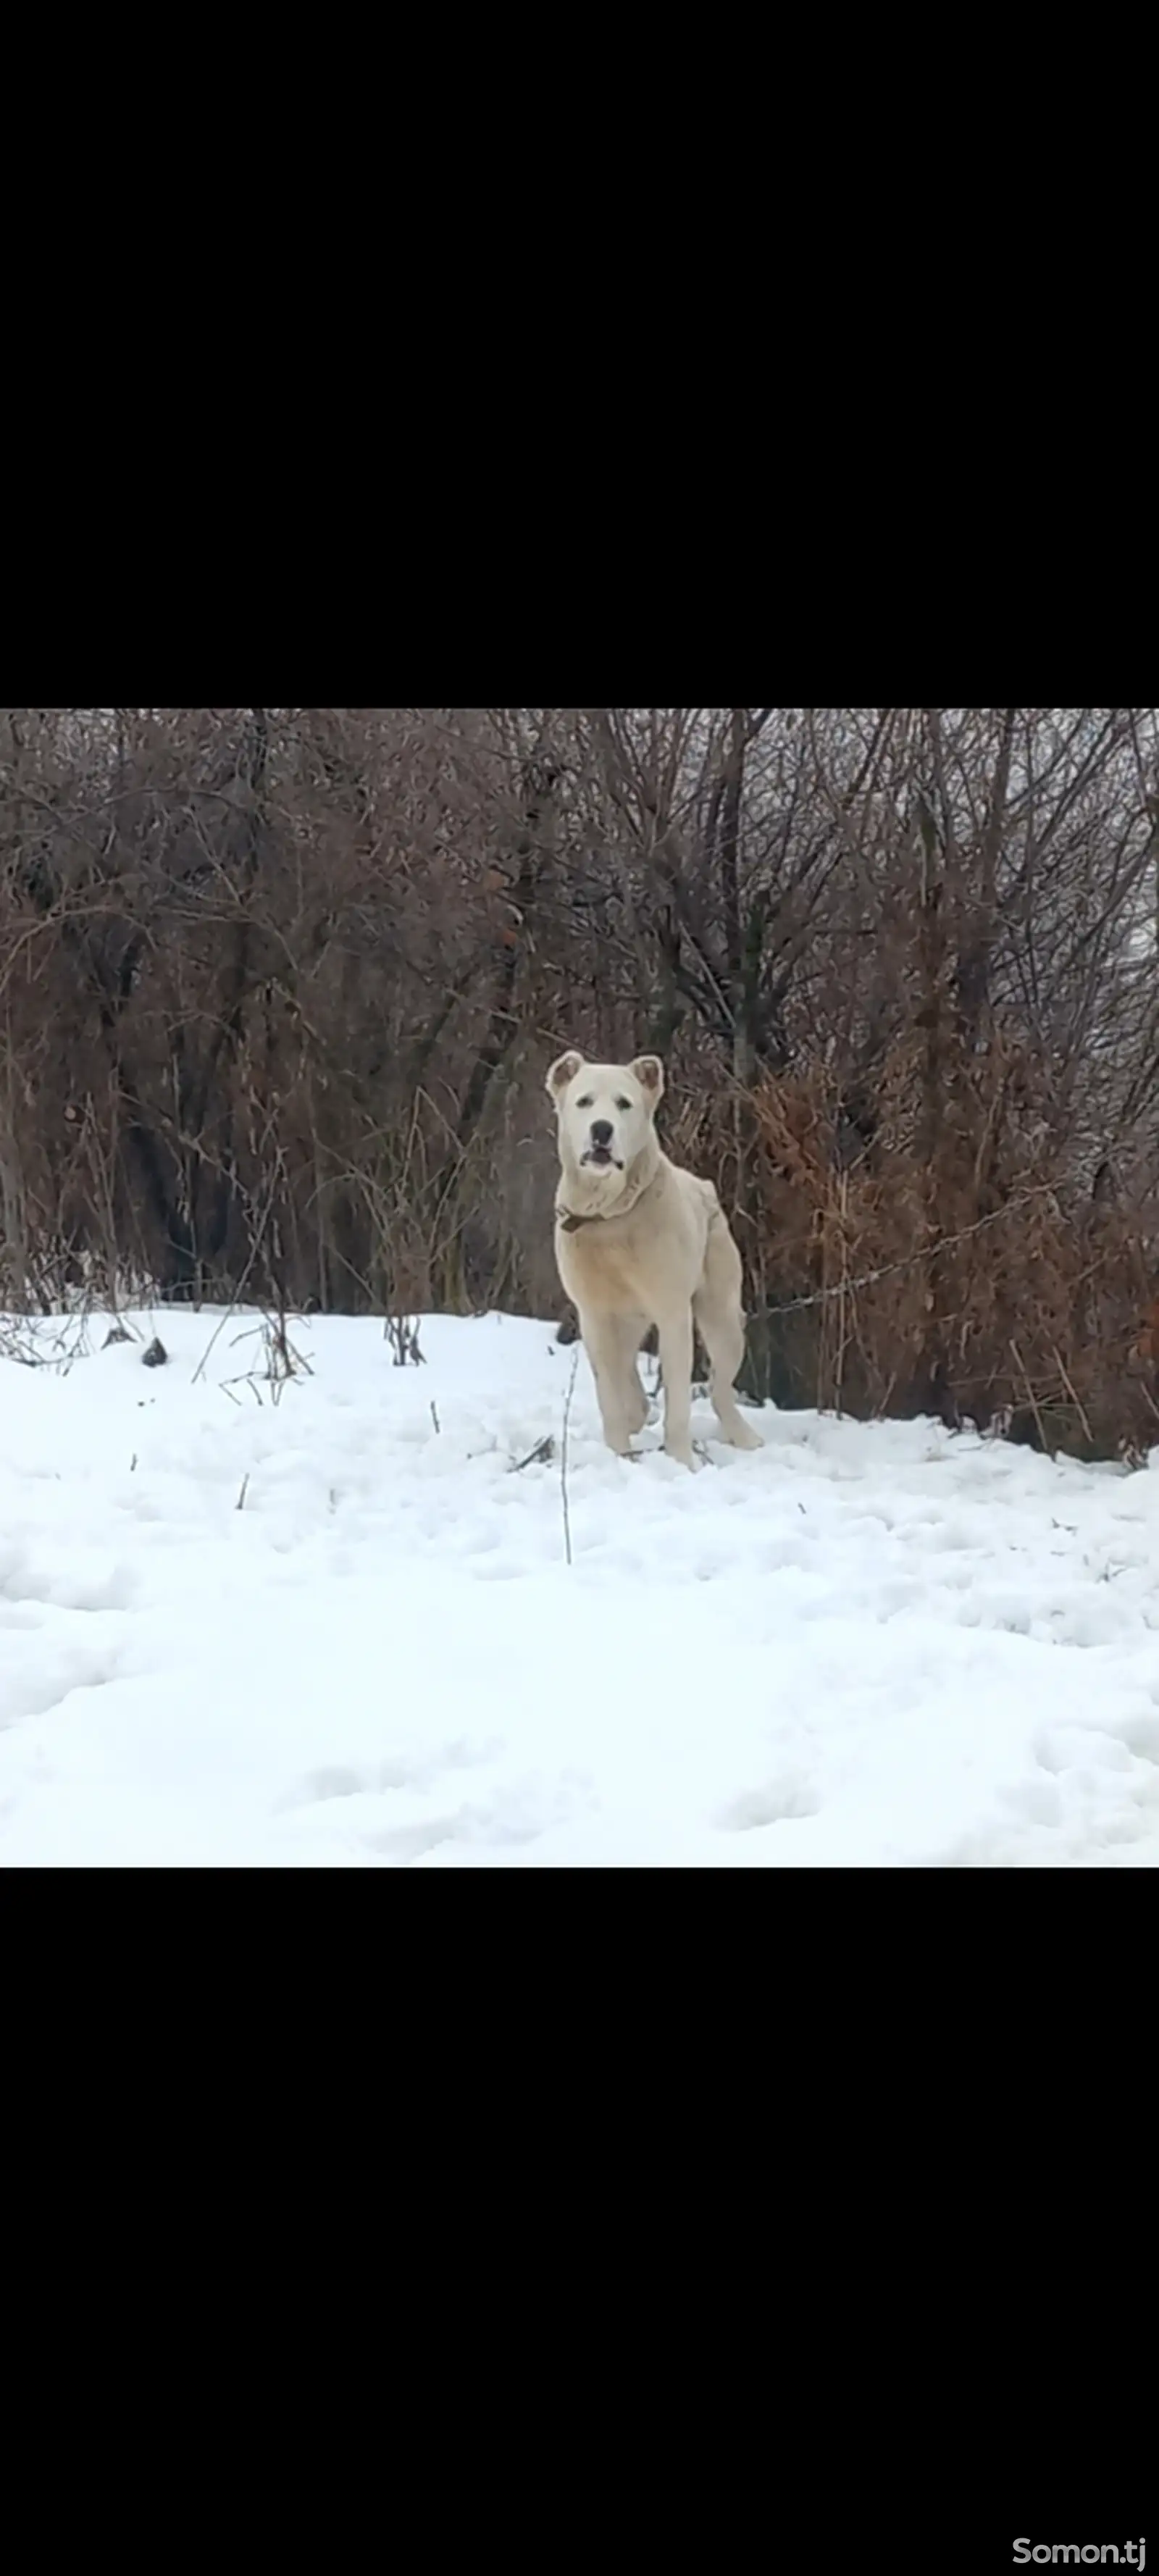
{"points": [[597, 1266]]}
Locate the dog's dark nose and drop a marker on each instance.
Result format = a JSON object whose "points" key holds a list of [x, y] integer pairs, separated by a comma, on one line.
{"points": [[601, 1131]]}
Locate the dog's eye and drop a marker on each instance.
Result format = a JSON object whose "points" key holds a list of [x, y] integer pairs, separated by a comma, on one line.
{"points": [[623, 1104], [586, 1102]]}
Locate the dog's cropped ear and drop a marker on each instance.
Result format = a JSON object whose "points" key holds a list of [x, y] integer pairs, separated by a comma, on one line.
{"points": [[563, 1071], [649, 1073]]}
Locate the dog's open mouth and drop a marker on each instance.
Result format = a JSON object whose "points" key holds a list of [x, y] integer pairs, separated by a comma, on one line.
{"points": [[602, 1157]]}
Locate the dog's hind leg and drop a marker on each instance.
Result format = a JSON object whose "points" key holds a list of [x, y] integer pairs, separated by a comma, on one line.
{"points": [[720, 1323]]}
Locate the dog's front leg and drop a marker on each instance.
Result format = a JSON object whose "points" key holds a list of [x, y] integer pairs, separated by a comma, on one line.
{"points": [[675, 1331], [601, 1342]]}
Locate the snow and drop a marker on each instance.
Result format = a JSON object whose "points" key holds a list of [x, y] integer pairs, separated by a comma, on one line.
{"points": [[340, 1627]]}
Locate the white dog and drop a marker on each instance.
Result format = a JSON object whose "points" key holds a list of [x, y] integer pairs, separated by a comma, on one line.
{"points": [[639, 1242]]}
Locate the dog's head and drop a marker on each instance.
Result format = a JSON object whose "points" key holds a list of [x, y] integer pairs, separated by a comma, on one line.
{"points": [[605, 1114]]}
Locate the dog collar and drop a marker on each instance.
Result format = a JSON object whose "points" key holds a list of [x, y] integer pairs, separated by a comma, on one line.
{"points": [[571, 1224]]}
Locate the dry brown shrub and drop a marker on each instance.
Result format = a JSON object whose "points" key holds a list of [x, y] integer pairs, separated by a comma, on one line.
{"points": [[970, 1283]]}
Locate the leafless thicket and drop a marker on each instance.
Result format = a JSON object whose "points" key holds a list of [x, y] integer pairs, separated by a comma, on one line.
{"points": [[277, 987]]}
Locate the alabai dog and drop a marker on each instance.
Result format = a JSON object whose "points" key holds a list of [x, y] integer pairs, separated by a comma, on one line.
{"points": [[640, 1242]]}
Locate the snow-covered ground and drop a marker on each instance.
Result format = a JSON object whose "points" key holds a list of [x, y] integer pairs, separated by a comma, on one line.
{"points": [[342, 1628]]}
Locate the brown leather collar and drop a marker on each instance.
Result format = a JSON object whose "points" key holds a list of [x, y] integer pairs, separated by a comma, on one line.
{"points": [[571, 1224]]}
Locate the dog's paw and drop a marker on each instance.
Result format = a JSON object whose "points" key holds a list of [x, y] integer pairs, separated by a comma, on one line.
{"points": [[744, 1437]]}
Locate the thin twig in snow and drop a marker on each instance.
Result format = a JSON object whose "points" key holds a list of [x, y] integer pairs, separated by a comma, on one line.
{"points": [[541, 1455], [563, 1455]]}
